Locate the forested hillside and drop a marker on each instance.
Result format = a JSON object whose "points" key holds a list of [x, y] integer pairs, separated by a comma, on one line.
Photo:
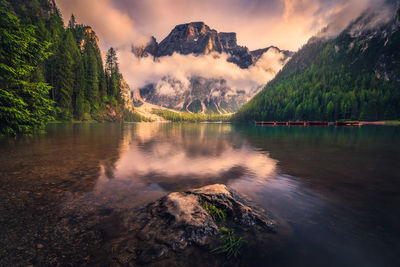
{"points": [[51, 72], [353, 76]]}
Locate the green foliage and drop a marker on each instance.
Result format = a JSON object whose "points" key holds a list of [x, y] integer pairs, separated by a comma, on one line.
{"points": [[24, 103], [65, 76], [230, 244], [20, 51], [216, 213], [182, 116], [25, 110], [91, 75]]}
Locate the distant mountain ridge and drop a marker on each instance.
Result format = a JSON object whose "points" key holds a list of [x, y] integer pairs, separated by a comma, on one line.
{"points": [[202, 95]]}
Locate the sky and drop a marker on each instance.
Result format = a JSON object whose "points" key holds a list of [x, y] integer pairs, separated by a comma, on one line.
{"points": [[287, 24]]}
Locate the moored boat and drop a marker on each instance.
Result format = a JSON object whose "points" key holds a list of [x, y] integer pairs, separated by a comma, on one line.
{"points": [[297, 123]]}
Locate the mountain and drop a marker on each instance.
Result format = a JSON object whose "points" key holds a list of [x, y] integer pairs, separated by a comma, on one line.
{"points": [[197, 38], [206, 95], [355, 75]]}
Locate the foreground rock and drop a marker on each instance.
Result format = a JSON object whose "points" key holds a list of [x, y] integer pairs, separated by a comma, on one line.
{"points": [[187, 228]]}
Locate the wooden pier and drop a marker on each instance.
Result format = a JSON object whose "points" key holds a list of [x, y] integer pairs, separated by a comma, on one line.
{"points": [[318, 123], [348, 123]]}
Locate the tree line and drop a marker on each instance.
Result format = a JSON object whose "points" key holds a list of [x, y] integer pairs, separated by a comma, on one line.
{"points": [[184, 116]]}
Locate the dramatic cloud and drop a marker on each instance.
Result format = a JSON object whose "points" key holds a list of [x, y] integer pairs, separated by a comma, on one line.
{"points": [[141, 71]]}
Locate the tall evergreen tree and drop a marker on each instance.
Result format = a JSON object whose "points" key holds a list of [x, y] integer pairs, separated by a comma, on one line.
{"points": [[113, 75], [91, 76], [65, 77], [72, 22]]}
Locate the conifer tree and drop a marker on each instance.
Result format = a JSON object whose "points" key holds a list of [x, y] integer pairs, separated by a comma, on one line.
{"points": [[113, 75], [65, 77], [72, 22], [91, 75]]}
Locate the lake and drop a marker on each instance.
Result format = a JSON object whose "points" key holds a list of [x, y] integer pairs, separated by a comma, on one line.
{"points": [[66, 193]]}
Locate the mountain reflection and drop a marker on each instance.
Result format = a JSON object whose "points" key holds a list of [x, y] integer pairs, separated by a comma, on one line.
{"points": [[177, 156]]}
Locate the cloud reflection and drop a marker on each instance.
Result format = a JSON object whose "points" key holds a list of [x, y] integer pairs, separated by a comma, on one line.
{"points": [[193, 151]]}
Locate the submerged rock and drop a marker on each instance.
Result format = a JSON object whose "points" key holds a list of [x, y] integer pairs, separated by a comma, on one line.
{"points": [[185, 228]]}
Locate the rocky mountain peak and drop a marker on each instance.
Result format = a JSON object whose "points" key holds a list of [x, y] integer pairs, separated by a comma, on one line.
{"points": [[203, 38], [190, 38], [201, 94], [191, 31], [198, 38]]}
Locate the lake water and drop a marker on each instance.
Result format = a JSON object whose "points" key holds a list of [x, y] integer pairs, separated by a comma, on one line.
{"points": [[337, 188]]}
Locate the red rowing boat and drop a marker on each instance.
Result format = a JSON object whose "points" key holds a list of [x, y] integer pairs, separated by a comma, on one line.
{"points": [[297, 123]]}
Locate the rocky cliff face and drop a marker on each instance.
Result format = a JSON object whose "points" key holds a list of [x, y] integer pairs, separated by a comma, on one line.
{"points": [[202, 94], [378, 38], [87, 35], [126, 95]]}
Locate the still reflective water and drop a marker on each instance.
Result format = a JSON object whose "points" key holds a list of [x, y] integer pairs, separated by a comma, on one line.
{"points": [[337, 188]]}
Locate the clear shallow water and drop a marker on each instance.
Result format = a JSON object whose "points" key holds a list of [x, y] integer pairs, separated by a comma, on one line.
{"points": [[337, 188]]}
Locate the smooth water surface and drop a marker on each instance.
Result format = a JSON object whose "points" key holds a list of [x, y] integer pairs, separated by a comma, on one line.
{"points": [[337, 188]]}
